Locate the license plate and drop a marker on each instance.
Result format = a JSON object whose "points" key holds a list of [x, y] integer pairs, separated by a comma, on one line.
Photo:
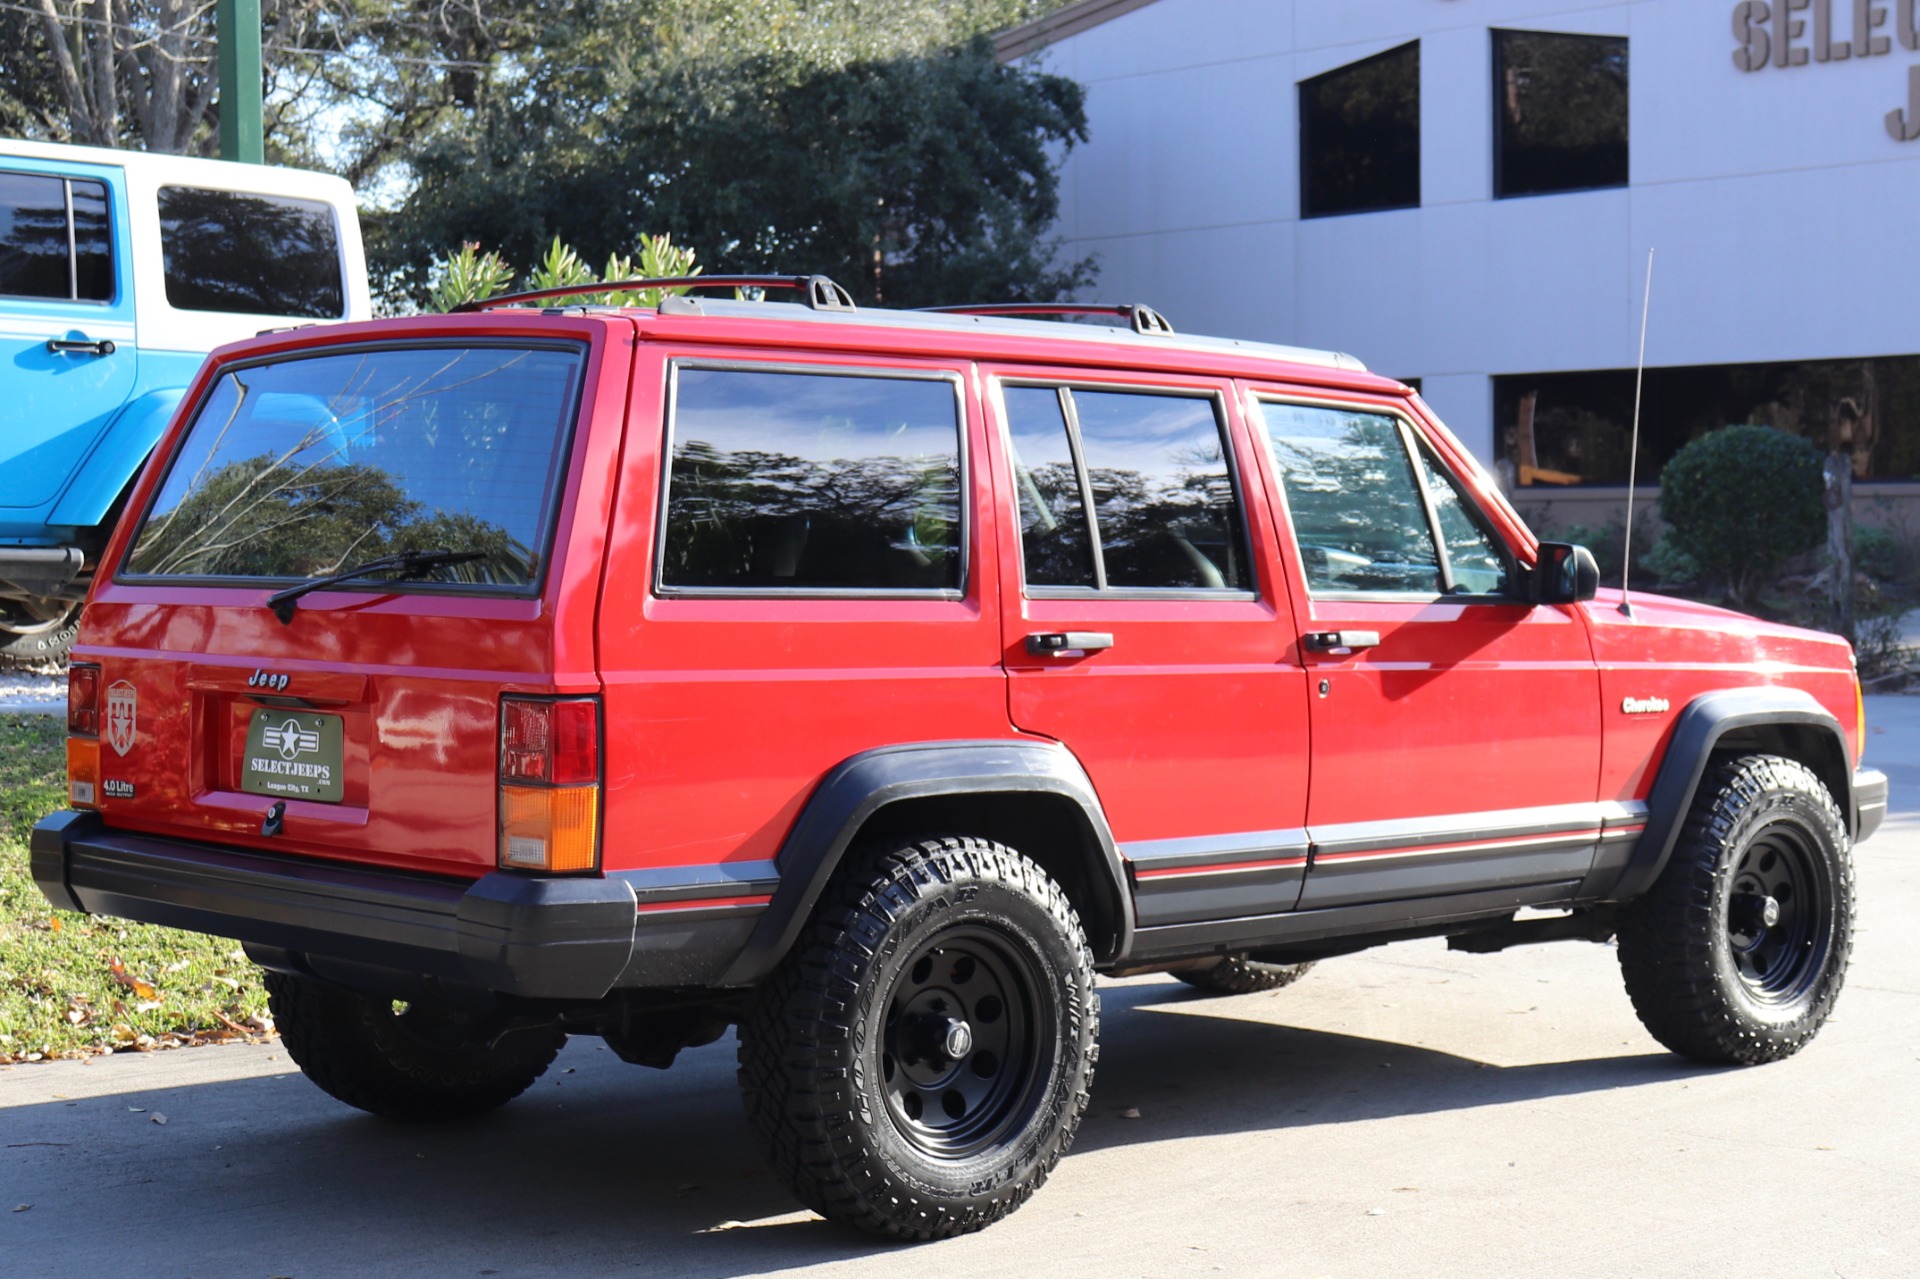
{"points": [[293, 755]]}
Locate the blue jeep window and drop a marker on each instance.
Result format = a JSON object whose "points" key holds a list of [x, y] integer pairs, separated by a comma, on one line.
{"points": [[251, 254], [54, 241], [308, 466]]}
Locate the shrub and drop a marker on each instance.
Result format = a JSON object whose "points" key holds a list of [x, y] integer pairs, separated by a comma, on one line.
{"points": [[1742, 501]]}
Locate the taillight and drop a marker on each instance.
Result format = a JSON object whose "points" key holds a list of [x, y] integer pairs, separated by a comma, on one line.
{"points": [[549, 784], [83, 699], [83, 735]]}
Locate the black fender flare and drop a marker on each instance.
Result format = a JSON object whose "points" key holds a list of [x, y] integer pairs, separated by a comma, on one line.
{"points": [[1700, 729], [861, 786]]}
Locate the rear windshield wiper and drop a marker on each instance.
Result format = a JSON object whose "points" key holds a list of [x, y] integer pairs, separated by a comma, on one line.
{"points": [[405, 564]]}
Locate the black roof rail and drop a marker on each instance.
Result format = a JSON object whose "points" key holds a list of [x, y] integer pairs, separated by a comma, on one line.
{"points": [[818, 292], [1144, 319]]}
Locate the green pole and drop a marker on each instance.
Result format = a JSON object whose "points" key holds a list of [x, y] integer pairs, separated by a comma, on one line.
{"points": [[237, 24]]}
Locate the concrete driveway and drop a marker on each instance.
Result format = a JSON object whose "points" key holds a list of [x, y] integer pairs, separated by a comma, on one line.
{"points": [[1406, 1111]]}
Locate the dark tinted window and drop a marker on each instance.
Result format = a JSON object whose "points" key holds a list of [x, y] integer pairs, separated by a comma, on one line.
{"points": [[813, 481], [1356, 512], [92, 243], [305, 467], [33, 237], [1360, 136], [252, 254], [1560, 112], [1163, 498], [1053, 518]]}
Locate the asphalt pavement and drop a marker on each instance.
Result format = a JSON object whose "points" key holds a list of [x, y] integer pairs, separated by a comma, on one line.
{"points": [[1407, 1111]]}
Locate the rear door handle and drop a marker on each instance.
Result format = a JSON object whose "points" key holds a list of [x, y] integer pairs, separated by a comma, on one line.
{"points": [[81, 346], [1337, 641], [1050, 642]]}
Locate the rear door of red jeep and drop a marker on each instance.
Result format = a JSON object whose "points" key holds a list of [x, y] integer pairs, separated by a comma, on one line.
{"points": [[359, 721]]}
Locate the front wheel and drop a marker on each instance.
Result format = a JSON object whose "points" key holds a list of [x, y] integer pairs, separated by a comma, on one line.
{"points": [[920, 1061], [1738, 951]]}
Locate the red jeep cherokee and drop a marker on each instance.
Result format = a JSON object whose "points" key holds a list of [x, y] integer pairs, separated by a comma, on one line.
{"points": [[871, 681]]}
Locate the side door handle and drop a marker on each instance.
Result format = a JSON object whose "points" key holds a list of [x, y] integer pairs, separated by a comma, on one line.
{"points": [[1340, 641], [1049, 642], [81, 346]]}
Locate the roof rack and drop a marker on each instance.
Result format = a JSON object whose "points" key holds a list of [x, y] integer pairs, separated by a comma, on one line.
{"points": [[818, 292], [1144, 319]]}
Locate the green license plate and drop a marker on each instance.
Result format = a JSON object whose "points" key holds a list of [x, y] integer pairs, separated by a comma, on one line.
{"points": [[293, 755]]}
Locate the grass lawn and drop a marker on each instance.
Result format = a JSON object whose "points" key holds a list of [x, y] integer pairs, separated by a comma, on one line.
{"points": [[71, 985]]}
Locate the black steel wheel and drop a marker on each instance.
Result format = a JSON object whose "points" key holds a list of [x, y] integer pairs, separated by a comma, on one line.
{"points": [[1238, 975], [920, 1061], [1738, 951]]}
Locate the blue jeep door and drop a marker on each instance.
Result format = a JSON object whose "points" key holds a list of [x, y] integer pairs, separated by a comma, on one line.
{"points": [[67, 350]]}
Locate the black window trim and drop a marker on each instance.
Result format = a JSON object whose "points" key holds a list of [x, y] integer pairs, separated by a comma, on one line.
{"points": [[1419, 111], [339, 250], [73, 298], [1101, 591], [566, 443], [1499, 117], [953, 377], [1414, 442]]}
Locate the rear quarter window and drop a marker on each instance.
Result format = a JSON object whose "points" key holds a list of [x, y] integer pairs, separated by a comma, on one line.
{"points": [[250, 254], [804, 481], [307, 466]]}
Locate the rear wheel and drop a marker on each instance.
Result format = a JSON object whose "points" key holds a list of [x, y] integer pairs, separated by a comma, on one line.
{"points": [[1238, 975], [404, 1061], [1738, 951], [920, 1061]]}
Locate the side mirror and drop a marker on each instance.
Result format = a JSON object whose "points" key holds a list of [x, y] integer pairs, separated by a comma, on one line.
{"points": [[1564, 574]]}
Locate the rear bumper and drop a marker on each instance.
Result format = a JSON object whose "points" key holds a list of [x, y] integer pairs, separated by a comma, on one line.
{"points": [[537, 938], [1869, 802]]}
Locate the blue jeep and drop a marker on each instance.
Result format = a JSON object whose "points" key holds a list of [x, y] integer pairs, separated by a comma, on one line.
{"points": [[119, 271]]}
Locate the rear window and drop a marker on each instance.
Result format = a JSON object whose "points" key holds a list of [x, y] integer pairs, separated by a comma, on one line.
{"points": [[309, 466], [250, 254]]}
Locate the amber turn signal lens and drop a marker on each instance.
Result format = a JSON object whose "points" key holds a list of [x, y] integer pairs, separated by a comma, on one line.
{"points": [[1859, 722], [550, 829], [83, 772]]}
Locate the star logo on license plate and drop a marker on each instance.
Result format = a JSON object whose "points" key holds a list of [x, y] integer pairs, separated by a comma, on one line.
{"points": [[290, 739]]}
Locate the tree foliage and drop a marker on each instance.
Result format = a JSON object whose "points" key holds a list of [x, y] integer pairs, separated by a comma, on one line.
{"points": [[835, 136], [1742, 501]]}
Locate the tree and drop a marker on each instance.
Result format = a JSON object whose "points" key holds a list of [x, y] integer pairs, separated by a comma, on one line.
{"points": [[833, 137], [1742, 501]]}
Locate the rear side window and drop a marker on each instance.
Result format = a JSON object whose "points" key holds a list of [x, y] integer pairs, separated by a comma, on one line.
{"points": [[251, 254], [310, 466], [1152, 467], [54, 240], [805, 481]]}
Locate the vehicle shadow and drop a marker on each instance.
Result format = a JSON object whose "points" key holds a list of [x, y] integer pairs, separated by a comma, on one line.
{"points": [[602, 1166]]}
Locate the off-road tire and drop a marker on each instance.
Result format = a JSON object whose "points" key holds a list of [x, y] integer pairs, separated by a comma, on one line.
{"points": [[1238, 975], [410, 1065], [829, 1069], [1710, 978], [33, 645]]}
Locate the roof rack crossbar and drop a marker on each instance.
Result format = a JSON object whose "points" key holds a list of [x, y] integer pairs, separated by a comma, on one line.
{"points": [[817, 291], [1144, 319]]}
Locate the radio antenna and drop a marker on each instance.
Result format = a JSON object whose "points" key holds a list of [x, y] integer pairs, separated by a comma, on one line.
{"points": [[1633, 444]]}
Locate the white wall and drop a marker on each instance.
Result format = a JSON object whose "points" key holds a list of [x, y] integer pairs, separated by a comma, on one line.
{"points": [[1787, 220]]}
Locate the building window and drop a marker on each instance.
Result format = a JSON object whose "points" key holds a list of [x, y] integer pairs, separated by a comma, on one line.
{"points": [[1560, 112], [1360, 136], [1574, 428]]}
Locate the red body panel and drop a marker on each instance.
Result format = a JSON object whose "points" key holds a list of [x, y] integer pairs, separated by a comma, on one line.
{"points": [[415, 678], [721, 715]]}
